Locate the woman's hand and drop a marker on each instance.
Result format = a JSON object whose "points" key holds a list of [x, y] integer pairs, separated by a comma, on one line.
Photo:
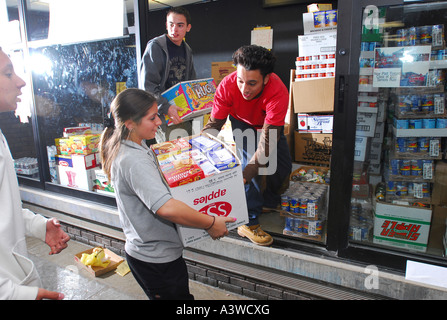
{"points": [[219, 228]]}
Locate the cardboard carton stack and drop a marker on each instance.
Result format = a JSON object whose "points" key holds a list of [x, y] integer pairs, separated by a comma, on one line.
{"points": [[313, 87], [77, 159]]}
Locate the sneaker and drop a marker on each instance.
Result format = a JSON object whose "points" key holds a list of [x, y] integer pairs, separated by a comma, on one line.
{"points": [[255, 234]]}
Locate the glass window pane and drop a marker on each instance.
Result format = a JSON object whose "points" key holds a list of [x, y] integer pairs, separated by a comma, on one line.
{"points": [[74, 85], [17, 125], [400, 129]]}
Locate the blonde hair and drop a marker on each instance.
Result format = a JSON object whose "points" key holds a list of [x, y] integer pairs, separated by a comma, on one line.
{"points": [[130, 104]]}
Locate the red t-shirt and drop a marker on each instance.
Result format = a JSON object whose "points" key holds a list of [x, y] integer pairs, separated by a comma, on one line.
{"points": [[270, 108]]}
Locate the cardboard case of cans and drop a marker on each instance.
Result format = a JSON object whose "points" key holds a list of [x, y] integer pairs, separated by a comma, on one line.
{"points": [[205, 174], [304, 204]]}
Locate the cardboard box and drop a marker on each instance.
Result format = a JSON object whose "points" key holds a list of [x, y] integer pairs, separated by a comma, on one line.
{"points": [[320, 43], [311, 96], [320, 123], [78, 160], [302, 122], [319, 7], [309, 24], [221, 194], [195, 97], [313, 147], [366, 124], [401, 226], [220, 70], [361, 148], [115, 261], [77, 171], [101, 183], [85, 144]]}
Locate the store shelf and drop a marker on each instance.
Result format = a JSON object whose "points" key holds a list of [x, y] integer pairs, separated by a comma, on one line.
{"points": [[420, 132]]}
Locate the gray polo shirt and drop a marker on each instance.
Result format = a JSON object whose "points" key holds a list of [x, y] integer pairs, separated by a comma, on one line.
{"points": [[140, 192]]}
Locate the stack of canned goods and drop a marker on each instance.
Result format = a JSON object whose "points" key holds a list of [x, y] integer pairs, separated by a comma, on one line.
{"points": [[316, 66], [426, 123], [429, 146], [412, 168], [425, 35], [304, 199], [370, 46], [26, 166], [304, 226], [361, 221], [407, 190], [425, 104]]}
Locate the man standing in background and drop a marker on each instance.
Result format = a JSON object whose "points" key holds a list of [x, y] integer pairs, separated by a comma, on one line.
{"points": [[167, 61]]}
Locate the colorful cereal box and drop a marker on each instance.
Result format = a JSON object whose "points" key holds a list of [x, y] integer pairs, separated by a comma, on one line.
{"points": [[195, 97]]}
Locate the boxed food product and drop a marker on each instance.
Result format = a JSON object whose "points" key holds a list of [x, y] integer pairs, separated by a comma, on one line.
{"points": [[63, 146], [183, 171], [166, 149], [73, 131], [402, 226], [220, 194], [77, 171], [220, 70], [101, 183], [85, 144], [195, 97]]}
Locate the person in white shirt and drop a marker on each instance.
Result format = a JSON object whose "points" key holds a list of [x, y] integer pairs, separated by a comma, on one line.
{"points": [[19, 279]]}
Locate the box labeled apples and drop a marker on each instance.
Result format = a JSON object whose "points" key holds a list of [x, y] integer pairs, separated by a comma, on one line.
{"points": [[402, 226], [217, 191], [195, 97]]}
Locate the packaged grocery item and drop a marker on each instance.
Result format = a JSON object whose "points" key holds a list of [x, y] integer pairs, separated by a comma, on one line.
{"points": [[180, 172], [195, 97], [85, 144], [73, 131], [222, 159], [166, 149], [63, 146], [204, 144]]}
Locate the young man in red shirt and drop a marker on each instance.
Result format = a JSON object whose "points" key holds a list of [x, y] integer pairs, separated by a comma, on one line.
{"points": [[256, 102]]}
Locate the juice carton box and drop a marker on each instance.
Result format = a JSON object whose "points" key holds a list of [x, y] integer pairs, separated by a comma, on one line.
{"points": [[85, 144], [195, 97]]}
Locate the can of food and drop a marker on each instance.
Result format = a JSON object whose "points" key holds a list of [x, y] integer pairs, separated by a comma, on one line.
{"points": [[302, 205], [363, 80], [391, 188], [364, 46], [425, 190], [401, 123], [394, 166], [413, 37], [415, 105], [404, 107], [294, 205], [428, 123], [441, 123], [412, 144], [402, 37], [285, 203], [415, 124], [423, 144], [416, 167], [401, 145], [427, 103], [405, 167], [425, 34], [401, 188]]}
